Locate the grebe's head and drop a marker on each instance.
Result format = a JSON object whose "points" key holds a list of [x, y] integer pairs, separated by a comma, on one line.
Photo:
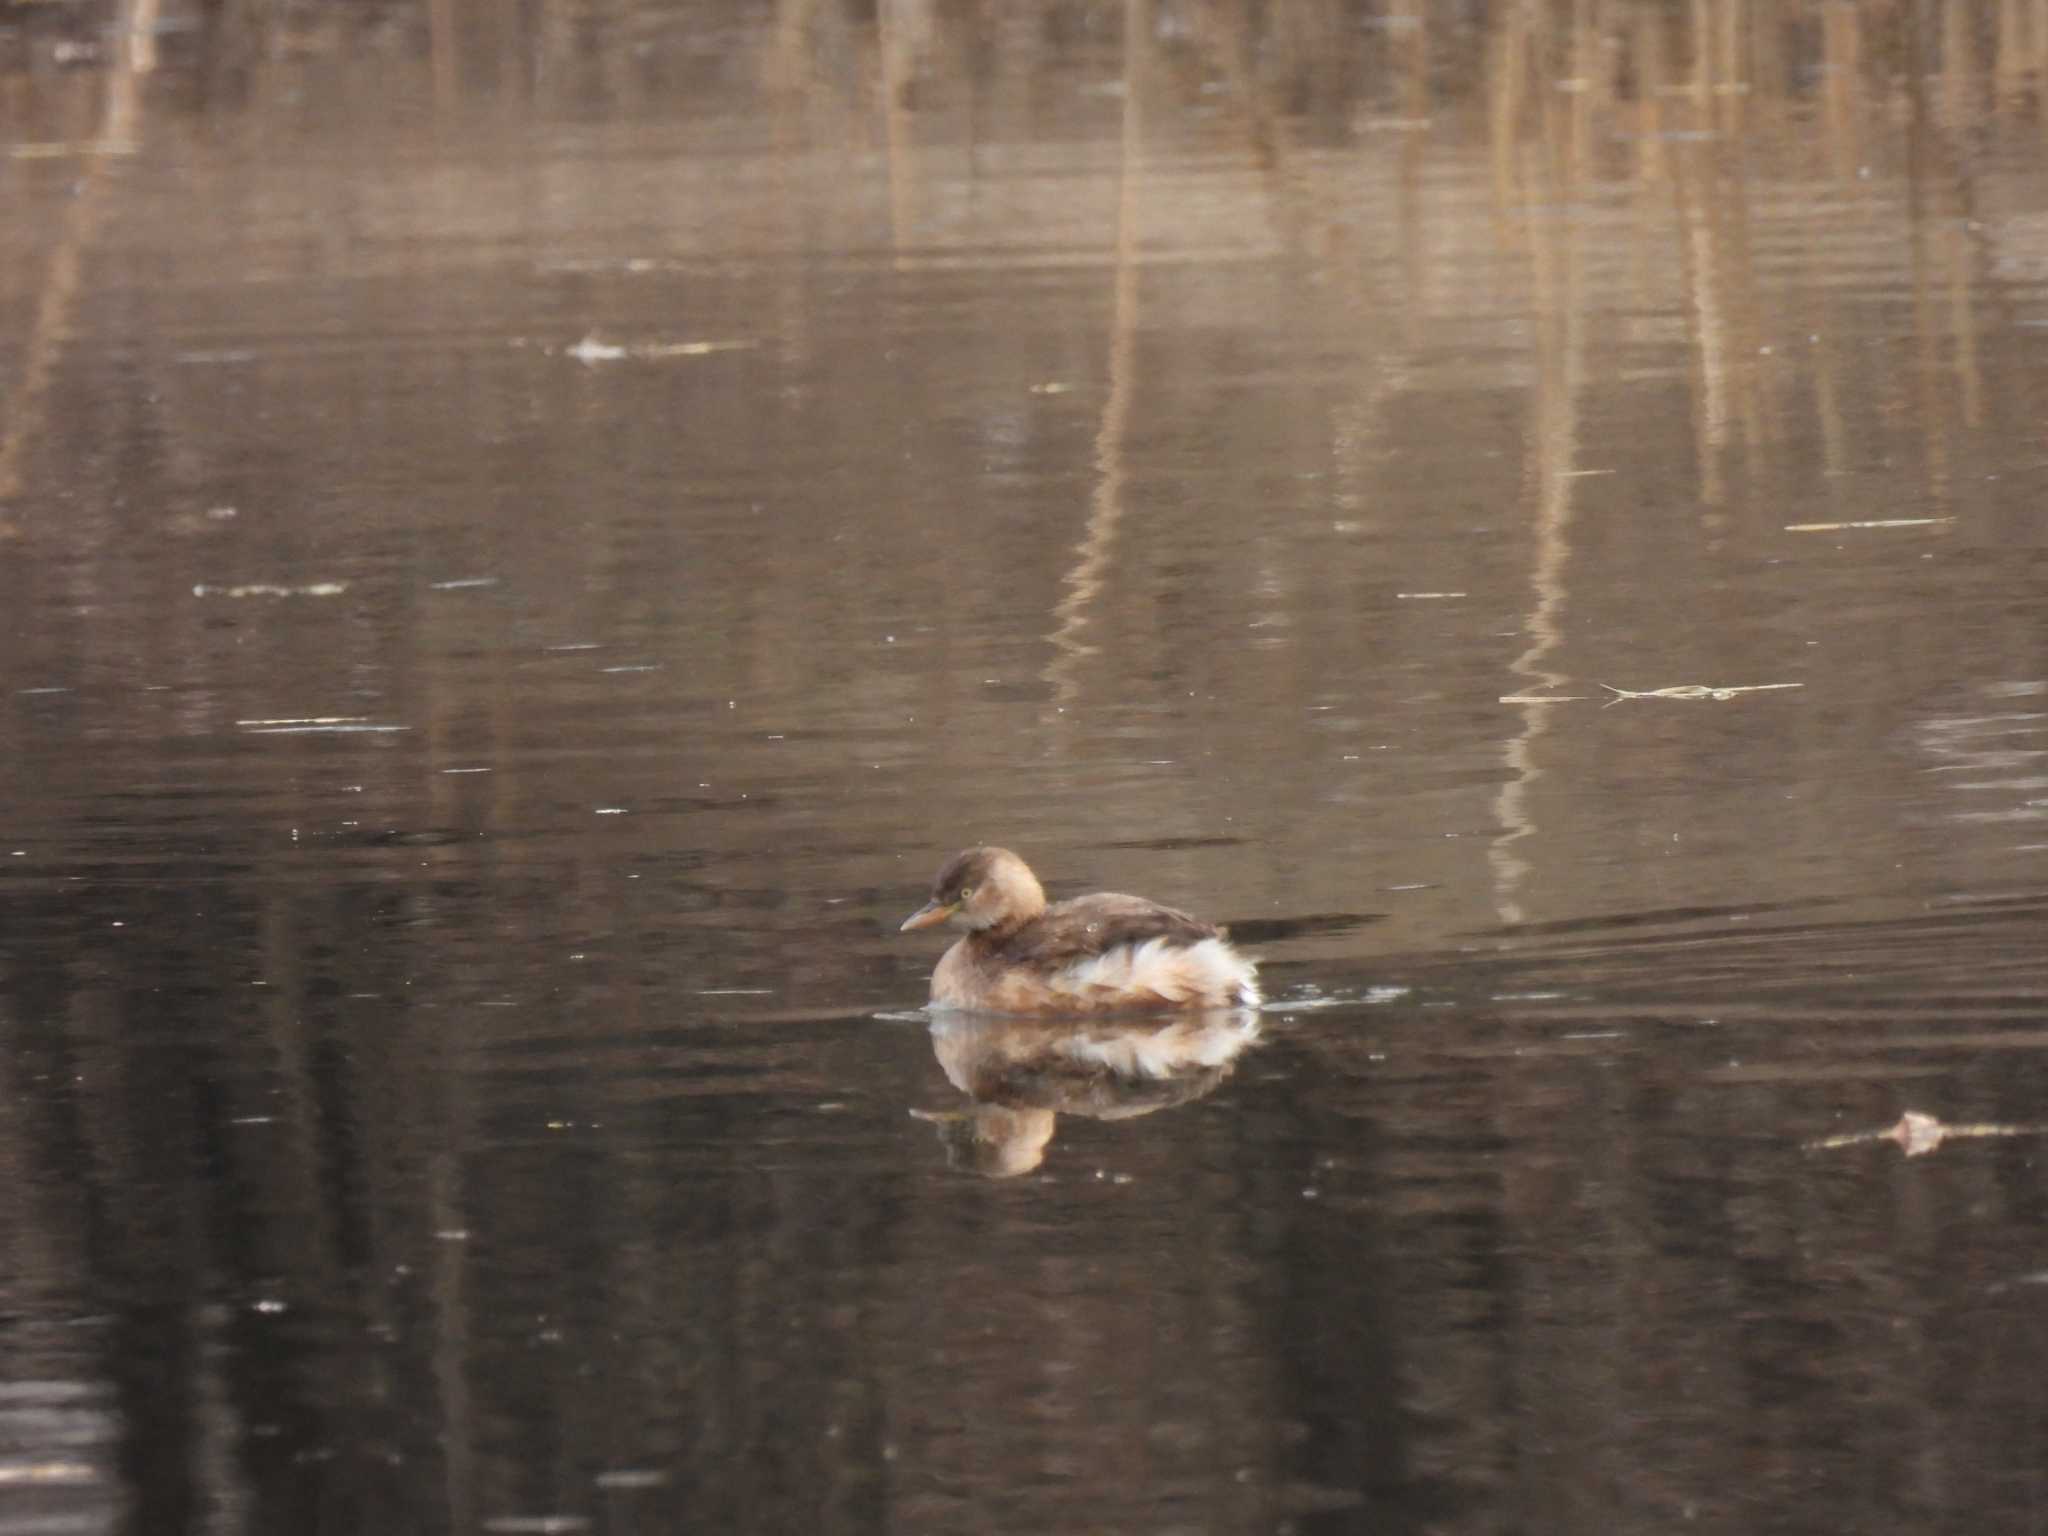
{"points": [[981, 888], [995, 1142]]}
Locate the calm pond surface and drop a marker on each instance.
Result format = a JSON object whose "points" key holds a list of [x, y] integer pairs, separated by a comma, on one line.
{"points": [[528, 533]]}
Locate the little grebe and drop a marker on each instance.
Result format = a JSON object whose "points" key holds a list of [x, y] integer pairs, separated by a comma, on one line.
{"points": [[1094, 954]]}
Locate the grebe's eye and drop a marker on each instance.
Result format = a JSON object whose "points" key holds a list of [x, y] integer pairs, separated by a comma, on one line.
{"points": [[967, 893]]}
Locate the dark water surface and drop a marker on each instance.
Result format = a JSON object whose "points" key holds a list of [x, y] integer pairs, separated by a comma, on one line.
{"points": [[527, 533]]}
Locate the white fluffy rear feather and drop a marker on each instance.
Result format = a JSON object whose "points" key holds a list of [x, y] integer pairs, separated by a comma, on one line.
{"points": [[1208, 971]]}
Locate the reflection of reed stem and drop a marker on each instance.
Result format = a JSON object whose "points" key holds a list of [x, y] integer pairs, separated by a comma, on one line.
{"points": [[1553, 448], [119, 119], [442, 46], [1699, 271], [897, 45], [1106, 506], [452, 1341]]}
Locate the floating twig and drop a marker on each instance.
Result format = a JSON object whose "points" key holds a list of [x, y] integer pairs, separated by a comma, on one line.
{"points": [[1876, 522], [1918, 1134], [590, 351], [273, 589], [71, 148], [1693, 691]]}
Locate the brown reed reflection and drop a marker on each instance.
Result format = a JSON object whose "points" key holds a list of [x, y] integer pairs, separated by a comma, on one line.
{"points": [[1538, 186], [1023, 1074], [1083, 581], [115, 136]]}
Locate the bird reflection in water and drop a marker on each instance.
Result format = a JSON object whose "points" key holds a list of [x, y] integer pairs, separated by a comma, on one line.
{"points": [[1022, 1074]]}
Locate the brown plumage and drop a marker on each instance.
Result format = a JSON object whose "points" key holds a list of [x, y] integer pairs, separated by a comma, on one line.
{"points": [[1094, 954]]}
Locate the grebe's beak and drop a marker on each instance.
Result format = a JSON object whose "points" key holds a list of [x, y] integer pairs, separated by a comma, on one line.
{"points": [[930, 915]]}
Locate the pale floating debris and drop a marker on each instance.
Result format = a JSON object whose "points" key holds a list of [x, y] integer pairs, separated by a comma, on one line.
{"points": [[1693, 691], [253, 1120], [308, 720], [1318, 1000], [223, 514], [590, 350], [350, 728], [611, 810], [42, 1473], [538, 1525], [452, 1235], [217, 355], [65, 149], [1429, 596], [645, 666], [272, 589], [1877, 522], [1918, 1134], [31, 693], [602, 264], [1582, 474], [1544, 698], [631, 1477], [737, 992], [1051, 387], [575, 645], [462, 583], [270, 1306], [465, 770]]}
